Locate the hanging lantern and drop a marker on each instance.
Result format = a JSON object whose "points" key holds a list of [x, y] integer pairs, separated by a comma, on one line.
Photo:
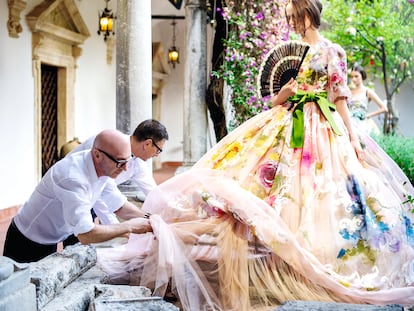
{"points": [[173, 56], [106, 22], [173, 53]]}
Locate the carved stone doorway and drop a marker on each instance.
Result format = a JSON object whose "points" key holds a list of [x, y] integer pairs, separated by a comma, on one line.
{"points": [[57, 31]]}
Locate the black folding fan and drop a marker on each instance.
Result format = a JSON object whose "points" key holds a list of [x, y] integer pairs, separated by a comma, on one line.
{"points": [[279, 65]]}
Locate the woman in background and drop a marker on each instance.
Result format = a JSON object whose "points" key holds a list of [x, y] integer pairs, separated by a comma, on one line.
{"points": [[361, 97]]}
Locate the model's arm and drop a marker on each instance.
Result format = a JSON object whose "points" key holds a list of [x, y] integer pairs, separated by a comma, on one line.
{"points": [[375, 98], [342, 108], [102, 233]]}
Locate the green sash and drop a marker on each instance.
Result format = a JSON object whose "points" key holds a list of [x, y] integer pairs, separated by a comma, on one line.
{"points": [[301, 98]]}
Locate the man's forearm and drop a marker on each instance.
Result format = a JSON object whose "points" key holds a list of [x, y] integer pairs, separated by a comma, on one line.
{"points": [[130, 210], [102, 233]]}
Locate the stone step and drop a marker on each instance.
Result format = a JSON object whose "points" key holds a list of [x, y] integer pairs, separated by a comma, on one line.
{"points": [[332, 306], [53, 274]]}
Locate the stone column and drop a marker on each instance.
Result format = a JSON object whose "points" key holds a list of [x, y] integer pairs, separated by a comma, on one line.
{"points": [[133, 64], [195, 82]]}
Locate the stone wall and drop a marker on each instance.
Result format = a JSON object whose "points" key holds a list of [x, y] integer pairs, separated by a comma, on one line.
{"points": [[70, 281]]}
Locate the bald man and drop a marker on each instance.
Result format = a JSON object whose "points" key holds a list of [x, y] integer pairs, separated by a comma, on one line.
{"points": [[61, 203], [147, 141]]}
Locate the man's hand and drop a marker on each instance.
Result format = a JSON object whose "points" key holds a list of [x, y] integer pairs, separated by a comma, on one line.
{"points": [[138, 225], [102, 233]]}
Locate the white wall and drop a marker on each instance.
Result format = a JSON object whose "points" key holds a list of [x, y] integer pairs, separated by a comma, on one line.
{"points": [[17, 161]]}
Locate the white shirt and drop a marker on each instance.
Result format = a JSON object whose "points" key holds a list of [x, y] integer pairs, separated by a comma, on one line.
{"points": [[138, 170], [61, 203]]}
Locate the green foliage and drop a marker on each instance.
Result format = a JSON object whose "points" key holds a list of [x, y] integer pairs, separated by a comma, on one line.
{"points": [[254, 28], [401, 150], [378, 34]]}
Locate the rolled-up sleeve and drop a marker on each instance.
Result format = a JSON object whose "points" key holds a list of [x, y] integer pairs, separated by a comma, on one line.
{"points": [[112, 196], [75, 197]]}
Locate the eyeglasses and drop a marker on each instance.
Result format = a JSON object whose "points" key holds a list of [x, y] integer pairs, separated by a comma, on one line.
{"points": [[159, 150], [119, 163]]}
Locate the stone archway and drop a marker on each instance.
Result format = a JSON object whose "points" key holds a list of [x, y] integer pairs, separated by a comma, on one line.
{"points": [[57, 31]]}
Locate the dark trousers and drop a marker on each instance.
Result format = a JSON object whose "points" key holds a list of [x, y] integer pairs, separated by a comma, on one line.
{"points": [[70, 240], [21, 249]]}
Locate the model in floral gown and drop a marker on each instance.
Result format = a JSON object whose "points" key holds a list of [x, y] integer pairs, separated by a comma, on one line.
{"points": [[265, 217], [358, 104]]}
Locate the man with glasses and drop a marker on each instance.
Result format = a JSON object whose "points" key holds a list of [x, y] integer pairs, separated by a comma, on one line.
{"points": [[147, 141], [61, 203]]}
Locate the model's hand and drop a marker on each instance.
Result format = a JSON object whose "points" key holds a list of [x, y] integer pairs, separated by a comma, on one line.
{"points": [[285, 92], [358, 150]]}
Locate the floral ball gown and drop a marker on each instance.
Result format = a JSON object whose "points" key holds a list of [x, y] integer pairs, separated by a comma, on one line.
{"points": [[358, 108], [257, 222]]}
